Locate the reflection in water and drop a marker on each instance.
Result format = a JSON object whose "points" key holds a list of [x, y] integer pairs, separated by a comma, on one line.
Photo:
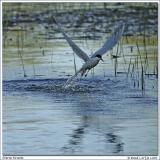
{"points": [[90, 123], [76, 136], [116, 140]]}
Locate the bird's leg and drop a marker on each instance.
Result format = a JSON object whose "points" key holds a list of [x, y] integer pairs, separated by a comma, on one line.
{"points": [[83, 72], [86, 73]]}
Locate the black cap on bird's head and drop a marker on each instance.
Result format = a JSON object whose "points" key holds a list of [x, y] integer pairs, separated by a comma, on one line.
{"points": [[100, 57]]}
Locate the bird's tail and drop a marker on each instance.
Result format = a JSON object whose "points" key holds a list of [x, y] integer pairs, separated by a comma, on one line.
{"points": [[70, 80]]}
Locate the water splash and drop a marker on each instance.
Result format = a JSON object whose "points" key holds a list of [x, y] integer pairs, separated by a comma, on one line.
{"points": [[59, 85], [70, 81]]}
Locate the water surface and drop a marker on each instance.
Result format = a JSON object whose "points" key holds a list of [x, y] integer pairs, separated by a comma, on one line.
{"points": [[112, 119]]}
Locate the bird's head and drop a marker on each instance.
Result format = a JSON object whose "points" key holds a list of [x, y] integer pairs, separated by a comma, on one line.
{"points": [[100, 57]]}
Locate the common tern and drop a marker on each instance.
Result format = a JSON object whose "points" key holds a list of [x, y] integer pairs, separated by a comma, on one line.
{"points": [[91, 62]]}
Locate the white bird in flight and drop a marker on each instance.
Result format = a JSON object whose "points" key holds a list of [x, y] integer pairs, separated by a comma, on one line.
{"points": [[91, 62]]}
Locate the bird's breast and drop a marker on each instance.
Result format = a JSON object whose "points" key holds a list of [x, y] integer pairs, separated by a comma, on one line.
{"points": [[91, 63]]}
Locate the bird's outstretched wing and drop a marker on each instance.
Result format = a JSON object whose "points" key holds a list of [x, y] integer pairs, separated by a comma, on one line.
{"points": [[111, 41], [74, 47]]}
